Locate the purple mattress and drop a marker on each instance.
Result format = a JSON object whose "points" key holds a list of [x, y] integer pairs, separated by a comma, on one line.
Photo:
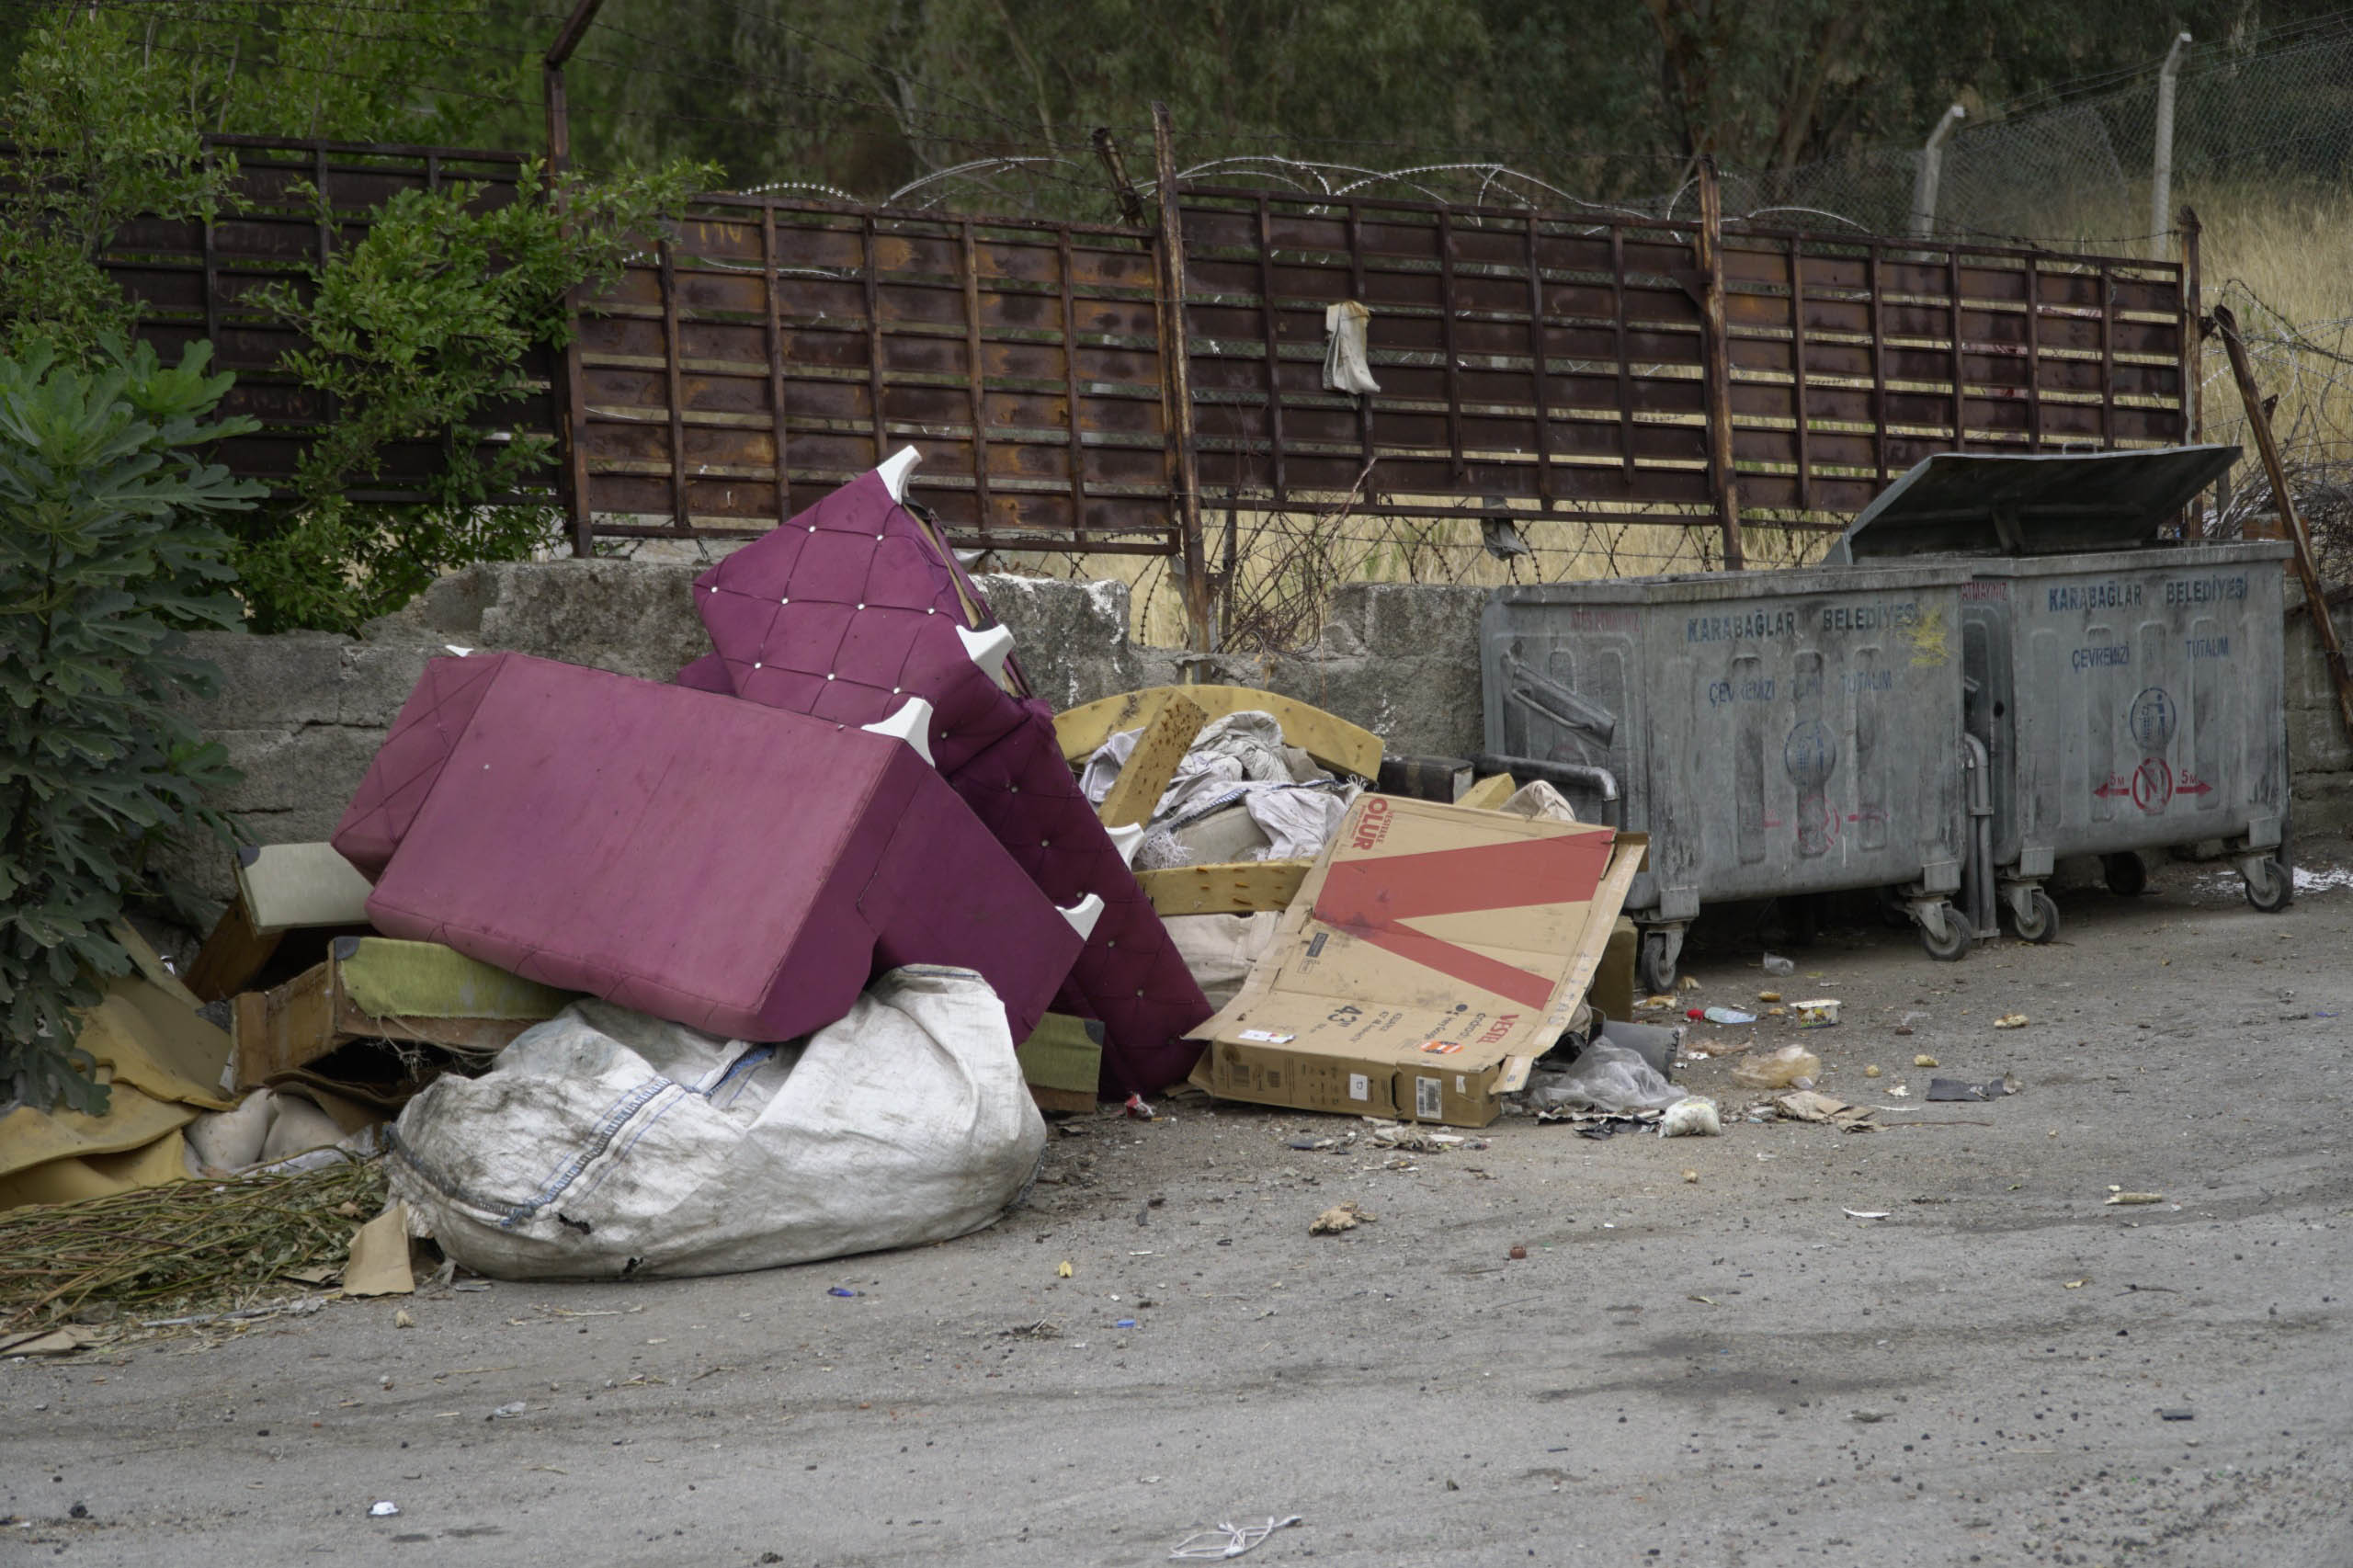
{"points": [[734, 867], [846, 611]]}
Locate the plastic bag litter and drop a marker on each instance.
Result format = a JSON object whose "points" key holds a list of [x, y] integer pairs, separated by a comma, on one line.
{"points": [[1790, 1065], [1604, 1077], [1691, 1118], [607, 1143]]}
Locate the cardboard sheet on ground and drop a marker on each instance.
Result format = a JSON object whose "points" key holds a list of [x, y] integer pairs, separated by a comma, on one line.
{"points": [[1431, 954]]}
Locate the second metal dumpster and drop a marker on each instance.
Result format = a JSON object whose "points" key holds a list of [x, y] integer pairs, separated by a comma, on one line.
{"points": [[1775, 733], [2128, 689]]}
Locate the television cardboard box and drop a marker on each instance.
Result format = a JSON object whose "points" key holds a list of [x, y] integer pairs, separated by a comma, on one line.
{"points": [[1432, 954]]}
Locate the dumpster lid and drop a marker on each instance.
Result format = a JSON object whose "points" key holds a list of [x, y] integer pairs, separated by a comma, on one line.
{"points": [[2046, 504]]}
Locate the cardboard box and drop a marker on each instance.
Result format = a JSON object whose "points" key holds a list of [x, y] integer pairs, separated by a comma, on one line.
{"points": [[1432, 954]]}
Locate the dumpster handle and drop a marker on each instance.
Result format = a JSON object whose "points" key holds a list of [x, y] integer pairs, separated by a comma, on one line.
{"points": [[1977, 896], [1599, 779]]}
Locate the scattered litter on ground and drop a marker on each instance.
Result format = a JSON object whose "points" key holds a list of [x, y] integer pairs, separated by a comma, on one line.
{"points": [[2176, 1413], [2117, 1196], [1820, 1013], [1806, 1105], [1864, 1214], [2011, 1021], [1870, 1072], [1689, 1175], [383, 1510], [1691, 1118], [1956, 1089], [1339, 1217], [1870, 1416], [1790, 1066], [1517, 1252], [1924, 1060], [1226, 1541], [1775, 964], [1726, 1016]]}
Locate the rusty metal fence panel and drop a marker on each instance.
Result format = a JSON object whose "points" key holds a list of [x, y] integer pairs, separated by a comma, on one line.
{"points": [[770, 349], [1907, 348], [198, 279], [1521, 356], [1559, 362]]}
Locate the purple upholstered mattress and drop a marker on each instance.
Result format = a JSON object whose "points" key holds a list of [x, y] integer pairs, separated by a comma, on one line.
{"points": [[848, 609], [739, 868]]}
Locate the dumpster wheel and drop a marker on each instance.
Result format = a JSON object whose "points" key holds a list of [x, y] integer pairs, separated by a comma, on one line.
{"points": [[2271, 886], [1944, 934], [2033, 916], [1655, 961]]}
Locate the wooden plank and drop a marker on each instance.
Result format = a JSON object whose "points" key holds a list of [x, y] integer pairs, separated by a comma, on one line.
{"points": [[1489, 793], [287, 1027], [1239, 887], [1329, 739], [230, 956], [1159, 751]]}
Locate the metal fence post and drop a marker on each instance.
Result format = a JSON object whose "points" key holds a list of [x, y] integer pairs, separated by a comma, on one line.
{"points": [[571, 408], [1715, 349], [2160, 156], [1177, 377], [1932, 173], [2193, 350]]}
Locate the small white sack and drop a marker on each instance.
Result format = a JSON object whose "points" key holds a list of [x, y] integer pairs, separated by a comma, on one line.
{"points": [[607, 1143]]}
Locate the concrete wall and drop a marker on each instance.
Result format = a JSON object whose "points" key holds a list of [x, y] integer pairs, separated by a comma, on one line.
{"points": [[302, 714]]}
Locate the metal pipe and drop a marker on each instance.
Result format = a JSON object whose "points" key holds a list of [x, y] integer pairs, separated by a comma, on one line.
{"points": [[2161, 169], [1978, 877], [1932, 166]]}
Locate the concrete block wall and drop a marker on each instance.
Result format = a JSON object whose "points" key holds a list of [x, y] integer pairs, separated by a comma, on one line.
{"points": [[302, 714]]}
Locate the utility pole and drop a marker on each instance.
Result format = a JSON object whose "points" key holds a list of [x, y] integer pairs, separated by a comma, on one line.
{"points": [[2161, 169], [1932, 170]]}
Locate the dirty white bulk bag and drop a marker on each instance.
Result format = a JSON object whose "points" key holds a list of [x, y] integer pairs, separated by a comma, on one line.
{"points": [[608, 1144]]}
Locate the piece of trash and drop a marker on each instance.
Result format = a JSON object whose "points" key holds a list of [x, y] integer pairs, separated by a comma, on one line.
{"points": [[1904, 1029], [1870, 1072], [404, 1319], [1687, 984], [1728, 1016], [1516, 1254], [2010, 1021], [1777, 1069], [1655, 1002], [1063, 1269], [1926, 1060], [2116, 1198], [1956, 1089], [1226, 1541], [1691, 1175], [1900, 1092], [2075, 1284], [1136, 1108], [1691, 1117], [1868, 1416], [2177, 1413], [508, 1412], [1339, 1217], [1805, 1104], [1695, 1014], [1820, 1013], [1311, 1143], [1704, 1300], [1775, 964], [1864, 1214], [1777, 1012], [1768, 995], [383, 1510], [1125, 1322], [845, 1290]]}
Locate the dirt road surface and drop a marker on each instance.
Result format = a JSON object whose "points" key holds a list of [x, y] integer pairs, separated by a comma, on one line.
{"points": [[1702, 1359]]}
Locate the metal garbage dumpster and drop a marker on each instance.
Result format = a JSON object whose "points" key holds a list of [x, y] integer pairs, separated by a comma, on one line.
{"points": [[2128, 689], [1775, 733]]}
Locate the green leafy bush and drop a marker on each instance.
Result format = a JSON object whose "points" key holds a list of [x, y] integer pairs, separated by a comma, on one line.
{"points": [[108, 555], [422, 332]]}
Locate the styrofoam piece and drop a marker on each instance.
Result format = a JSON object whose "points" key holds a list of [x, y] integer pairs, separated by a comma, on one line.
{"points": [[1083, 914], [894, 472], [911, 723], [988, 649]]}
